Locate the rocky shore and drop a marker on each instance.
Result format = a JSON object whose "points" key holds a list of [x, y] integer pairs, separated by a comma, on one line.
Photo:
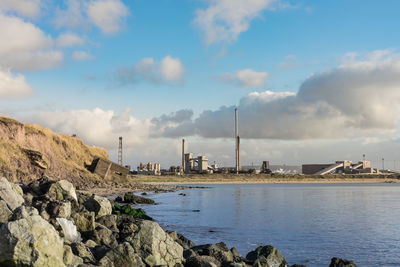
{"points": [[49, 223]]}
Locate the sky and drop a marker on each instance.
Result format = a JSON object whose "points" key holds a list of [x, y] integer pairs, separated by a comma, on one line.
{"points": [[314, 81]]}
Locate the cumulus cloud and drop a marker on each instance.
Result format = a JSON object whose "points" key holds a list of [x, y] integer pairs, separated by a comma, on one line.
{"points": [[26, 8], [97, 127], [169, 71], [81, 55], [108, 15], [69, 39], [224, 20], [360, 97], [245, 78], [13, 86], [25, 47]]}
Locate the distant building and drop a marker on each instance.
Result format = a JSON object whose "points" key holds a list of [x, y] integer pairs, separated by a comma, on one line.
{"points": [[340, 167], [149, 168]]}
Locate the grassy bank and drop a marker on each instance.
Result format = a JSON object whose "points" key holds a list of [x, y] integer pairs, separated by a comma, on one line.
{"points": [[262, 178]]}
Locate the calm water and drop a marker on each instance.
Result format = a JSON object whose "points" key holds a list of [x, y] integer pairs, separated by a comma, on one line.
{"points": [[309, 224]]}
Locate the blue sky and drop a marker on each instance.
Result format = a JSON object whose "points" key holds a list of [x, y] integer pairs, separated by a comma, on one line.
{"points": [[259, 46]]}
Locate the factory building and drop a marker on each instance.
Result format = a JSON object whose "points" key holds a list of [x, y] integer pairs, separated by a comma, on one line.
{"points": [[149, 168], [340, 167]]}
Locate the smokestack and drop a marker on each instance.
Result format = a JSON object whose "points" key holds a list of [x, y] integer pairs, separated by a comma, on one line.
{"points": [[183, 155], [237, 139]]}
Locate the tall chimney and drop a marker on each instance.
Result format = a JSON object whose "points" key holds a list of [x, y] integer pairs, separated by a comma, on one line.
{"points": [[183, 155], [237, 141]]}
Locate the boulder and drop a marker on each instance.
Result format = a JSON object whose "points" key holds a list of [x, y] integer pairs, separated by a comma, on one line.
{"points": [[17, 189], [83, 252], [127, 225], [103, 236], [110, 221], [202, 261], [84, 221], [62, 190], [266, 256], [69, 258], [30, 241], [11, 196], [101, 206], [23, 212], [61, 209], [181, 240], [337, 262], [155, 246], [218, 251], [5, 212], [69, 231], [122, 255]]}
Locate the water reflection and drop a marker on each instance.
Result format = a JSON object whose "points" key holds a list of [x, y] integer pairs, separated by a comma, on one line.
{"points": [[307, 223]]}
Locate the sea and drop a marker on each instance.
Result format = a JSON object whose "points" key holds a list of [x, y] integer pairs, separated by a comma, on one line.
{"points": [[308, 223]]}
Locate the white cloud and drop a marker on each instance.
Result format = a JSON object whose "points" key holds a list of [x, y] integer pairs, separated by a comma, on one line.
{"points": [[81, 55], [224, 20], [108, 15], [72, 16], [27, 8], [96, 127], [172, 69], [168, 71], [245, 78], [69, 39], [360, 97], [23, 46], [13, 87]]}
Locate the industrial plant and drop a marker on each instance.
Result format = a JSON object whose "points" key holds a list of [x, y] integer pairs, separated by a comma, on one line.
{"points": [[199, 164]]}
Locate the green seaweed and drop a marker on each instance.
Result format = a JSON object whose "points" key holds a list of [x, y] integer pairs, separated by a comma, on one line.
{"points": [[127, 209]]}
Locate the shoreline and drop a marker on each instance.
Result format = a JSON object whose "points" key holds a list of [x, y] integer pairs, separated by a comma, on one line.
{"points": [[327, 181]]}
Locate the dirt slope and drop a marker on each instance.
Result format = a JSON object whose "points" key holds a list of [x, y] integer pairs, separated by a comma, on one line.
{"points": [[27, 151]]}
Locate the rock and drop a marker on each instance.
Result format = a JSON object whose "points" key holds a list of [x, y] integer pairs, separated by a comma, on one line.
{"points": [[181, 240], [127, 225], [17, 189], [298, 265], [236, 255], [202, 261], [218, 251], [62, 190], [11, 196], [100, 251], [189, 253], [84, 221], [90, 243], [122, 255], [69, 258], [23, 212], [266, 256], [155, 246], [103, 236], [337, 262], [134, 199], [83, 252], [5, 212], [65, 210], [31, 241], [110, 221], [100, 205]]}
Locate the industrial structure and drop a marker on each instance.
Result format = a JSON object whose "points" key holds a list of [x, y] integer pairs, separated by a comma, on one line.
{"points": [[340, 167], [120, 151], [237, 139], [149, 168]]}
